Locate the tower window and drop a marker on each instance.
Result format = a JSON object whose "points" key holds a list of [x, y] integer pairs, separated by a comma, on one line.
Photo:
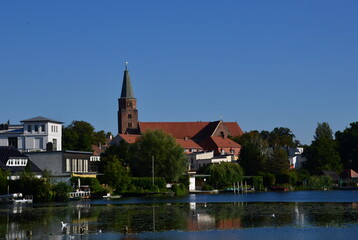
{"points": [[129, 125], [129, 115]]}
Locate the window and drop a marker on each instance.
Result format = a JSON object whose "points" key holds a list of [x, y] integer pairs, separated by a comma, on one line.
{"points": [[80, 169], [36, 128], [29, 128], [43, 128], [74, 165], [129, 125], [12, 141], [129, 115], [54, 144], [68, 165], [85, 165]]}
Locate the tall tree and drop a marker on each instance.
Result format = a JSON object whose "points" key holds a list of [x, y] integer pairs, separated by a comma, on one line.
{"points": [[322, 154], [78, 136], [224, 174], [254, 153], [282, 137], [348, 146], [169, 159], [278, 163]]}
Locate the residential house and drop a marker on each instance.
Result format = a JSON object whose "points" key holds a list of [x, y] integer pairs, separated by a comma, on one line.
{"points": [[15, 162]]}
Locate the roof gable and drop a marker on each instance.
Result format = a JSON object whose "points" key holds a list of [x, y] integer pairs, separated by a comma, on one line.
{"points": [[40, 119]]}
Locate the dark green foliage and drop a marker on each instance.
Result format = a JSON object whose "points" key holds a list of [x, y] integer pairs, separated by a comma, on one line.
{"points": [[278, 163], [179, 189], [3, 181], [269, 179], [348, 146], [319, 182], [116, 175], [93, 183], [258, 182], [147, 182], [169, 159], [323, 130], [280, 137], [224, 174], [61, 191]]}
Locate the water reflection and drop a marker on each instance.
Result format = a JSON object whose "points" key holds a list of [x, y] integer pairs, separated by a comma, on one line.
{"points": [[86, 220]]}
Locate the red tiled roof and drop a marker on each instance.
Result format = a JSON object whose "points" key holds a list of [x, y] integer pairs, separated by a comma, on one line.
{"points": [[225, 142], [349, 173], [129, 138], [176, 129], [234, 129], [188, 143]]}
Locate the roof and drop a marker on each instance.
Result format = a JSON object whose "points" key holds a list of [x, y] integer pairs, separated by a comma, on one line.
{"points": [[332, 174], [127, 91], [194, 130], [129, 138], [40, 119], [225, 142], [349, 173], [10, 152], [176, 129], [187, 143]]}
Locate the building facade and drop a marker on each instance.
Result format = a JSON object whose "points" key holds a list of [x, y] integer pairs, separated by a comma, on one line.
{"points": [[34, 134]]}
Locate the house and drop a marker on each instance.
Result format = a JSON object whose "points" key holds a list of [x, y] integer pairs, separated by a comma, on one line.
{"points": [[192, 136], [15, 162], [65, 164], [34, 134], [349, 177], [200, 159], [295, 157]]}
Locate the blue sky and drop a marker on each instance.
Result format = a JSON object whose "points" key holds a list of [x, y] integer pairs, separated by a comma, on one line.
{"points": [[264, 64]]}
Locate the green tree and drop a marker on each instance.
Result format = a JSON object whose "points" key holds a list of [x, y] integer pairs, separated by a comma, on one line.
{"points": [[169, 159], [254, 153], [61, 191], [322, 154], [282, 137], [348, 146], [3, 181], [278, 163], [224, 174], [116, 175], [78, 136], [323, 130], [99, 137]]}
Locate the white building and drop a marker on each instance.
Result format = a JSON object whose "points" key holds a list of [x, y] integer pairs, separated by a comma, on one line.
{"points": [[295, 157], [34, 134], [200, 159]]}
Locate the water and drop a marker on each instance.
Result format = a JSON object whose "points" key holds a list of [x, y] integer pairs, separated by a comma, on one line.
{"points": [[287, 215]]}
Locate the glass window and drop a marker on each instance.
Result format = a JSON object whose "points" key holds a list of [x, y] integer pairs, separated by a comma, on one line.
{"points": [[43, 128], [36, 128], [68, 165], [29, 128], [129, 125]]}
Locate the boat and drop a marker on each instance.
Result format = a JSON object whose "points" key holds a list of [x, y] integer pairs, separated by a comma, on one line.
{"points": [[279, 189], [16, 198]]}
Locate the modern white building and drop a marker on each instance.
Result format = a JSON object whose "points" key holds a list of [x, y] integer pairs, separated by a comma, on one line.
{"points": [[200, 159], [295, 157], [34, 134]]}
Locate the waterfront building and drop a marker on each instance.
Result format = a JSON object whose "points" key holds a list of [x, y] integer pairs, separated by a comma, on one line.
{"points": [[34, 134], [192, 136]]}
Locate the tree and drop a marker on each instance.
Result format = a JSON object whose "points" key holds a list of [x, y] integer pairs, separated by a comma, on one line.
{"points": [[224, 174], [169, 159], [78, 136], [323, 130], [3, 181], [322, 154], [282, 137], [254, 153], [278, 163], [348, 146], [116, 175]]}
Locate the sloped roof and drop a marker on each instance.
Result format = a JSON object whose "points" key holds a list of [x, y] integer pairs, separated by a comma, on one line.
{"points": [[225, 142], [129, 138], [11, 152], [234, 129], [127, 91], [40, 119], [187, 143], [349, 173], [180, 130], [332, 174]]}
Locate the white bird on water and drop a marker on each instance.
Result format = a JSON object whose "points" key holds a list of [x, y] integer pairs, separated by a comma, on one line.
{"points": [[64, 225]]}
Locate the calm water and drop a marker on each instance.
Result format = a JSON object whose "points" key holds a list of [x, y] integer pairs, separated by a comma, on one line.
{"points": [[288, 215]]}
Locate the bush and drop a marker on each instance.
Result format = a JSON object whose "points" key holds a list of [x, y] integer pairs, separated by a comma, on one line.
{"points": [[179, 189], [146, 182], [269, 179], [319, 182], [258, 182]]}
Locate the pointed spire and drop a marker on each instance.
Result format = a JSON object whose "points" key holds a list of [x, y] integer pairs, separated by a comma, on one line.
{"points": [[127, 91]]}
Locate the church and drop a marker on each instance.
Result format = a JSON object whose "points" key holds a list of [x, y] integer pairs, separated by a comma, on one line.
{"points": [[194, 137]]}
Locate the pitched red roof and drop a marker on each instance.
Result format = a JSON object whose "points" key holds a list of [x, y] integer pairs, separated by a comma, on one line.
{"points": [[176, 129], [349, 173], [188, 144], [234, 129], [225, 142], [129, 138]]}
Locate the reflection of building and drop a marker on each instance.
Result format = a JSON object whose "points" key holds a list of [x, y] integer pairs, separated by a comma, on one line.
{"points": [[34, 134]]}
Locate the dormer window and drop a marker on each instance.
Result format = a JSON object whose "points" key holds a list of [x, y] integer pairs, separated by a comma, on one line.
{"points": [[17, 162]]}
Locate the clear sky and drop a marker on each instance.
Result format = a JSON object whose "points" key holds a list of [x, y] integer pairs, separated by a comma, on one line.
{"points": [[264, 64]]}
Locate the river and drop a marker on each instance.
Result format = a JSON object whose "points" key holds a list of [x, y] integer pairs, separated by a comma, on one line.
{"points": [[268, 215]]}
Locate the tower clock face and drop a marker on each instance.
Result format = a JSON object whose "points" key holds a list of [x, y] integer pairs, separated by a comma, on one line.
{"points": [[129, 104]]}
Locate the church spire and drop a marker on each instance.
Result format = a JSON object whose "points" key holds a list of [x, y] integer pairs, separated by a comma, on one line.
{"points": [[127, 91]]}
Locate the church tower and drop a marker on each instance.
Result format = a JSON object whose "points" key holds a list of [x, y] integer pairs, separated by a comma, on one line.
{"points": [[127, 108]]}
